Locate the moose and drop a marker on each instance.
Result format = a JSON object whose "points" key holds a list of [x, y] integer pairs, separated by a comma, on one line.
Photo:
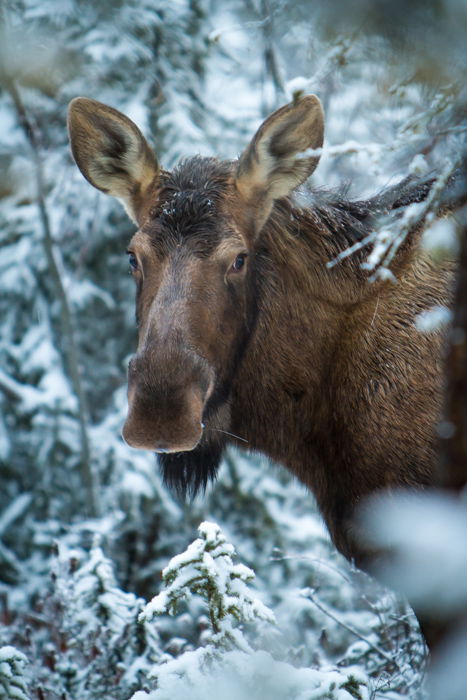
{"points": [[246, 336]]}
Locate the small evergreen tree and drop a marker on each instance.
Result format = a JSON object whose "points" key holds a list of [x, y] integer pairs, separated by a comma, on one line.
{"points": [[206, 569], [12, 678], [228, 665]]}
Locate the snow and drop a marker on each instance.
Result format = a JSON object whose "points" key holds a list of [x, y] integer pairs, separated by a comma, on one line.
{"points": [[12, 680], [418, 165], [82, 293], [433, 319], [441, 238], [426, 562], [256, 676], [298, 85], [8, 653]]}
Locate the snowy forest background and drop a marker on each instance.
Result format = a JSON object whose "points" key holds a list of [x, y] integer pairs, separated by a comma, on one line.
{"points": [[86, 526]]}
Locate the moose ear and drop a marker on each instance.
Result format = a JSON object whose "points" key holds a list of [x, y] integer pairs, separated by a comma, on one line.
{"points": [[276, 161], [111, 152]]}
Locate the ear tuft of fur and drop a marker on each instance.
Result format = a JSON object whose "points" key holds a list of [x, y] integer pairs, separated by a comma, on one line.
{"points": [[111, 152]]}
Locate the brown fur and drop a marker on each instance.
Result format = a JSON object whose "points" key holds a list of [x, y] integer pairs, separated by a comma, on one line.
{"points": [[313, 366]]}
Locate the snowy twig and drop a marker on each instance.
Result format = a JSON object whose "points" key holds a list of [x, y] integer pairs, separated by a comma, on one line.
{"points": [[390, 237], [29, 395], [389, 242], [315, 560], [14, 511], [308, 593], [353, 249]]}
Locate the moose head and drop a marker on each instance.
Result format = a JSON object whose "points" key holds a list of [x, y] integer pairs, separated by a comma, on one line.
{"points": [[192, 259]]}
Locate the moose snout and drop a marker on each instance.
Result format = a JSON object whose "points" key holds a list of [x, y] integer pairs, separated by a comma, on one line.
{"points": [[173, 424], [165, 416]]}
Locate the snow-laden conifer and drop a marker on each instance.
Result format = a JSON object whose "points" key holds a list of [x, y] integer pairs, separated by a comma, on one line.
{"points": [[13, 684], [228, 667], [94, 646], [206, 568]]}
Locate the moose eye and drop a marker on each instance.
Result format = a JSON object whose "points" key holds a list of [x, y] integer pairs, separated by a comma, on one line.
{"points": [[132, 260], [239, 262]]}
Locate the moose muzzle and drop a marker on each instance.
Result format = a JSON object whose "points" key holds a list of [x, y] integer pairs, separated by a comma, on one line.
{"points": [[166, 402]]}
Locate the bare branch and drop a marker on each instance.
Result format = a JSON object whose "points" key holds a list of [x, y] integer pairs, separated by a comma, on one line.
{"points": [[308, 593], [71, 348]]}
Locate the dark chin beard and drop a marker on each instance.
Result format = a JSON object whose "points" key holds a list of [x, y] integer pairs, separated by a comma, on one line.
{"points": [[188, 473]]}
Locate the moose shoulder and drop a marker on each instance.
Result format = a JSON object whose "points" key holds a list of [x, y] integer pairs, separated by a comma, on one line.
{"points": [[247, 337]]}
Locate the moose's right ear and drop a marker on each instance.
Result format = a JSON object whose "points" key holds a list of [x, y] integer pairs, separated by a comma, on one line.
{"points": [[111, 152]]}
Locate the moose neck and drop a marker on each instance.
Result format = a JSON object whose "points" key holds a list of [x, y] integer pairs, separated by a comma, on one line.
{"points": [[280, 396], [335, 366]]}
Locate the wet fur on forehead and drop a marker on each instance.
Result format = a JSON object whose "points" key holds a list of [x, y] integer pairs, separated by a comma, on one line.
{"points": [[189, 205], [189, 210]]}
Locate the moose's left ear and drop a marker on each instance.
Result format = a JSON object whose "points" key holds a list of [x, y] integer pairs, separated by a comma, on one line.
{"points": [[276, 161], [111, 152]]}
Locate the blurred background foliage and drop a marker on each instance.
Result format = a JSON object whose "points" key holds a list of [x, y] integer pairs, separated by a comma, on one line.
{"points": [[197, 76]]}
